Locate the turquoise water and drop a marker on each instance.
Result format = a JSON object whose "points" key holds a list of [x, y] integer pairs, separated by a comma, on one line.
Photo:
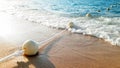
{"points": [[82, 7], [104, 23]]}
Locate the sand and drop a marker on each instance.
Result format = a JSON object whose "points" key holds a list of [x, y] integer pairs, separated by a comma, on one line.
{"points": [[69, 50]]}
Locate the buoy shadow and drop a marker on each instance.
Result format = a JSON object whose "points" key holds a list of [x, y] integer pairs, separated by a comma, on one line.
{"points": [[41, 60]]}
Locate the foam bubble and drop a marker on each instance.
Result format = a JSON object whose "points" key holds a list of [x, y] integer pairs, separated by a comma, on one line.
{"points": [[107, 28]]}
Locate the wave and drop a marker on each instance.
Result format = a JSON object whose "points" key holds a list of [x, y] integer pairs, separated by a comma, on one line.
{"points": [[105, 27]]}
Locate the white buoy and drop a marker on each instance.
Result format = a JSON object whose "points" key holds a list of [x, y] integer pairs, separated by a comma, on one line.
{"points": [[88, 15], [70, 25], [30, 48]]}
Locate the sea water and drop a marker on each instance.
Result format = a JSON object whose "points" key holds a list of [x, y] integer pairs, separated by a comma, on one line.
{"points": [[104, 21]]}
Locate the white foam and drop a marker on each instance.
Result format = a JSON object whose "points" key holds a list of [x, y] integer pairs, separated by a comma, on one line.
{"points": [[101, 27]]}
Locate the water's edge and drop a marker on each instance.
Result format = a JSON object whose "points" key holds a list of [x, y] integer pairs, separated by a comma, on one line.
{"points": [[103, 27]]}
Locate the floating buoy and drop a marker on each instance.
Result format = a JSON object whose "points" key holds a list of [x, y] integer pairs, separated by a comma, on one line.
{"points": [[98, 11], [70, 25], [30, 48], [88, 15], [108, 9]]}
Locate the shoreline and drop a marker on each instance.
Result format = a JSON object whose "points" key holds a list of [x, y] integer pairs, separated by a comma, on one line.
{"points": [[67, 51], [101, 27]]}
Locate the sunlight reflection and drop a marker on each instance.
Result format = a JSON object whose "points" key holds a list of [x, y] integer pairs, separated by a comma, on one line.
{"points": [[6, 25], [5, 29]]}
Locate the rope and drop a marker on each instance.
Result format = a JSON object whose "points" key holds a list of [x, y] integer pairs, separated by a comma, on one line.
{"points": [[16, 53], [20, 52], [57, 34]]}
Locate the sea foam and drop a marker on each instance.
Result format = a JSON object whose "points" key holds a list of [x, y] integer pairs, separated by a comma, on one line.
{"points": [[107, 28]]}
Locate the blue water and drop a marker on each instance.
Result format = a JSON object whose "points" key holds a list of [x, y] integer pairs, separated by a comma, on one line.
{"points": [[104, 23], [82, 7]]}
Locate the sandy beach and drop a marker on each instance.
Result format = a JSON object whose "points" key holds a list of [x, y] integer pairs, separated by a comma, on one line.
{"points": [[69, 50]]}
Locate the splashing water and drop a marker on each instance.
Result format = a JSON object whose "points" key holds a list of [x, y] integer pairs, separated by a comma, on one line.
{"points": [[105, 21], [21, 52]]}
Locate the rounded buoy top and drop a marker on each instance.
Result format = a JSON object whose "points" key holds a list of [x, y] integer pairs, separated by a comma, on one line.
{"points": [[98, 11], [30, 47], [108, 9], [70, 25], [88, 15]]}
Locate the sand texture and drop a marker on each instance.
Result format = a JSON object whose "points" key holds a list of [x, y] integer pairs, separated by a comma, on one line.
{"points": [[69, 50]]}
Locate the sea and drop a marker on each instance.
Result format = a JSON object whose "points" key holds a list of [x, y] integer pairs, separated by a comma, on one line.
{"points": [[98, 18]]}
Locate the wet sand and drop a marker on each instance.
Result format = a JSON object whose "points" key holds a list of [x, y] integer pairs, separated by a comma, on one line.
{"points": [[66, 51]]}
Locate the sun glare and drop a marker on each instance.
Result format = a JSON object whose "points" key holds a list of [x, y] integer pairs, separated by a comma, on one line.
{"points": [[5, 29], [6, 25]]}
